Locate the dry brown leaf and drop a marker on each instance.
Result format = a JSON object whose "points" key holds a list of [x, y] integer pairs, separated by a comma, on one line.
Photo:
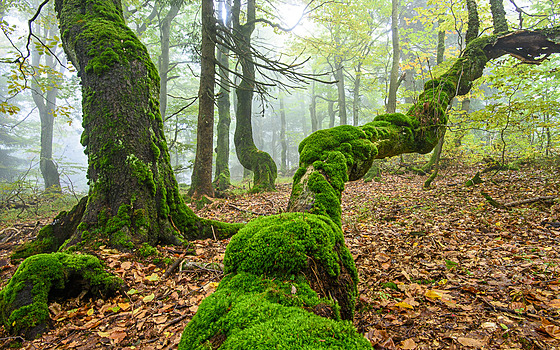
{"points": [[408, 344], [470, 342]]}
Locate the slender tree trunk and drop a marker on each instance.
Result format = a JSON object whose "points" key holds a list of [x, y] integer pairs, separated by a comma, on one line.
{"points": [[165, 29], [313, 114], [283, 142], [201, 183], [356, 102], [46, 104], [222, 175], [262, 165], [393, 83], [332, 115], [436, 154], [339, 77]]}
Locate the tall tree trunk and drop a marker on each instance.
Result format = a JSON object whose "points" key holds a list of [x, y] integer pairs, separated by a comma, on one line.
{"points": [[393, 82], [165, 29], [262, 165], [436, 154], [133, 196], [283, 142], [46, 104], [356, 102], [339, 77], [222, 175], [332, 114], [201, 183]]}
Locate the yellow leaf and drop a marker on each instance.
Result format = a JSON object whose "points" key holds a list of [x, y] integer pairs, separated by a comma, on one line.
{"points": [[90, 312], [148, 298], [124, 306], [404, 305], [153, 277], [103, 334], [432, 294]]}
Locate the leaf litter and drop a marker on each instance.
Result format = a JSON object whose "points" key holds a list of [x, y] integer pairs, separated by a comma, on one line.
{"points": [[439, 268]]}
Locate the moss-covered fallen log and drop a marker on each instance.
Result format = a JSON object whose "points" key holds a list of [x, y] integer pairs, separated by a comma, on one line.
{"points": [[24, 300]]}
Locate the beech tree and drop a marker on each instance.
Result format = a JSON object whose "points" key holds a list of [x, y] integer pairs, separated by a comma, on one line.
{"points": [[133, 196]]}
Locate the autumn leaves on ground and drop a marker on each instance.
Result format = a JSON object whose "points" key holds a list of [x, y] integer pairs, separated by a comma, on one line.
{"points": [[439, 268]]}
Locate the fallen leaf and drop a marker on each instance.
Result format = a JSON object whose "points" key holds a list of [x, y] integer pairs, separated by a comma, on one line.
{"points": [[432, 294], [404, 305], [408, 344], [148, 298], [124, 306], [470, 342]]}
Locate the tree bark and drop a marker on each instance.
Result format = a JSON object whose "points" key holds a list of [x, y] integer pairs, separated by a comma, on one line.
{"points": [[393, 83], [262, 165], [201, 180], [356, 102], [498, 16], [165, 29], [222, 175], [283, 142], [339, 77]]}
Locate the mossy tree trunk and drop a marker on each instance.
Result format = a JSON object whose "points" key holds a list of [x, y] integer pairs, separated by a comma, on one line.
{"points": [[133, 196], [222, 175], [329, 158], [263, 166], [201, 180]]}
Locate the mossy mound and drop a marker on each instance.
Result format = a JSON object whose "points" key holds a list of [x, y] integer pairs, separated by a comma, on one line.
{"points": [[291, 284], [255, 312], [24, 301]]}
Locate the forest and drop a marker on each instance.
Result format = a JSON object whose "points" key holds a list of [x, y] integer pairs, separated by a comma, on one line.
{"points": [[297, 174]]}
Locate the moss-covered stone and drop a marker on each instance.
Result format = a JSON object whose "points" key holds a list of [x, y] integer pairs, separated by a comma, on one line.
{"points": [[24, 300]]}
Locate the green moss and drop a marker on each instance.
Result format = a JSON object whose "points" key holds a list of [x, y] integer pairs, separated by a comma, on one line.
{"points": [[147, 250], [255, 312], [280, 245], [24, 300]]}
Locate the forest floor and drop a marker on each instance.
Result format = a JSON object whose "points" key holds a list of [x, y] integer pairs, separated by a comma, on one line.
{"points": [[439, 268]]}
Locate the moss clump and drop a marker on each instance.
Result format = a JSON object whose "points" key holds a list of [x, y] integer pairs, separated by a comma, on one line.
{"points": [[282, 245], [255, 312], [24, 300], [147, 250]]}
